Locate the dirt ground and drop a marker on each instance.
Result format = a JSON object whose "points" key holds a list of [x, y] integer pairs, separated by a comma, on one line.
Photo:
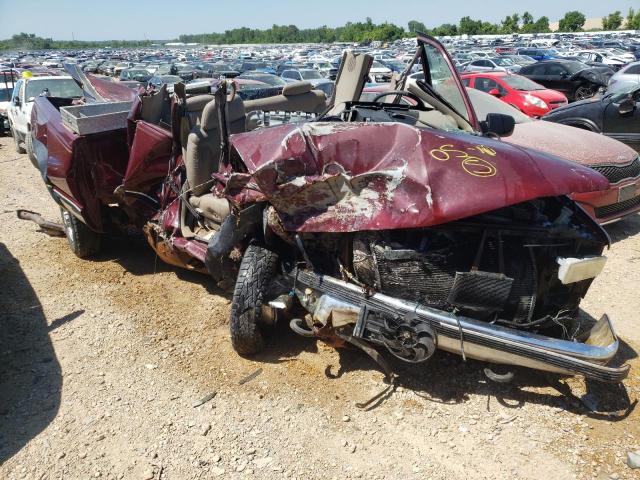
{"points": [[104, 364]]}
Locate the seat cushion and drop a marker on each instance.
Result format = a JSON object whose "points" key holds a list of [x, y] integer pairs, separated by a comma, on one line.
{"points": [[212, 207]]}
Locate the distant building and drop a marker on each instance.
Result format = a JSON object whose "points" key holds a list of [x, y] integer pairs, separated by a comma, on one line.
{"points": [[590, 24]]}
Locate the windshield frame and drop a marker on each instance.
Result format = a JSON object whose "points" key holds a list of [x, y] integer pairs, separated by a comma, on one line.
{"points": [[424, 40]]}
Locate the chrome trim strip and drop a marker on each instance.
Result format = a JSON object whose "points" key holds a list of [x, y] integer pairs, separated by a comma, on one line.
{"points": [[483, 341]]}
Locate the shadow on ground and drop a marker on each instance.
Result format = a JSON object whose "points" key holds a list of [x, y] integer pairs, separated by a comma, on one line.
{"points": [[447, 379], [627, 227], [136, 256], [30, 375]]}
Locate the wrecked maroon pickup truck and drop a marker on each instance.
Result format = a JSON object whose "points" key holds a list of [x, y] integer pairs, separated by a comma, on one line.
{"points": [[407, 225]]}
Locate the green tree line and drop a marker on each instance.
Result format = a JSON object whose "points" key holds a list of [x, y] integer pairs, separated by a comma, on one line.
{"points": [[29, 41], [350, 32]]}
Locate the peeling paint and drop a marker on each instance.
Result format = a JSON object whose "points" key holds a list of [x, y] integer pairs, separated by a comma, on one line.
{"points": [[343, 177]]}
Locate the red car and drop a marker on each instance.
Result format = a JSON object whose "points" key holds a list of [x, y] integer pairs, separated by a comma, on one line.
{"points": [[526, 95]]}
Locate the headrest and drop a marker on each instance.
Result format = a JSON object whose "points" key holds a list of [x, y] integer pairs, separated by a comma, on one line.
{"points": [[197, 102], [235, 111], [296, 88]]}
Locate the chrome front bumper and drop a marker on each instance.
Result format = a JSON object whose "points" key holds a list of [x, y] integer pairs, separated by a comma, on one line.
{"points": [[480, 340]]}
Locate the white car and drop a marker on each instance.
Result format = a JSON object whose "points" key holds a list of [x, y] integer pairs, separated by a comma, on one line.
{"points": [[496, 64], [6, 90], [378, 73], [24, 93], [595, 56], [626, 76]]}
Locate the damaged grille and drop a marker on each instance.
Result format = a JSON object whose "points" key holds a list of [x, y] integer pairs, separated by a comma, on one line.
{"points": [[616, 208], [615, 173], [442, 278]]}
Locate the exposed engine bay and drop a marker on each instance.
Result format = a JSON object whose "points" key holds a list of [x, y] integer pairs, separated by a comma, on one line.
{"points": [[500, 267]]}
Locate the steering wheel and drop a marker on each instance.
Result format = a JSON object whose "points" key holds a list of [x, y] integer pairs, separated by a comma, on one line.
{"points": [[398, 93]]}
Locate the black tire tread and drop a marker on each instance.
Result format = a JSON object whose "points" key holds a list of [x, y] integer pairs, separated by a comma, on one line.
{"points": [[30, 153], [257, 269], [83, 241], [16, 141]]}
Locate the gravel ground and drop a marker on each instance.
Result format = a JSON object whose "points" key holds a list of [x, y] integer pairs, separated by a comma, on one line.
{"points": [[108, 369]]}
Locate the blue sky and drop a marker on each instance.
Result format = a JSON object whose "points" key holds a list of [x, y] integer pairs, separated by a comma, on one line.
{"points": [[164, 19]]}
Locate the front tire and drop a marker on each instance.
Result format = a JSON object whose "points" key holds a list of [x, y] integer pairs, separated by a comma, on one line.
{"points": [[16, 141], [83, 241], [30, 152], [257, 270], [582, 93]]}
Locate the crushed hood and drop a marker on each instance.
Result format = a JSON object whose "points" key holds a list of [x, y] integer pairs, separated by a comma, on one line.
{"points": [[346, 177], [97, 90]]}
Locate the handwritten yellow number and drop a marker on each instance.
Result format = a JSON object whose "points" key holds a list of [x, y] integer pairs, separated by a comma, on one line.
{"points": [[486, 150], [475, 166]]}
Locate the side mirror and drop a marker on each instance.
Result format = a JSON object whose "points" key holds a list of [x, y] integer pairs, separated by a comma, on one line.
{"points": [[627, 106], [16, 101], [498, 124], [495, 92]]}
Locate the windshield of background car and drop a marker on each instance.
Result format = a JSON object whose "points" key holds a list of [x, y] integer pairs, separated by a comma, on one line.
{"points": [[61, 87], [503, 62], [310, 75], [5, 94], [170, 79], [624, 92], [521, 83], [574, 67], [443, 80]]}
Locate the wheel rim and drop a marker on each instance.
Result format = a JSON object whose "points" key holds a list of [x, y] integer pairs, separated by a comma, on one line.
{"points": [[583, 93]]}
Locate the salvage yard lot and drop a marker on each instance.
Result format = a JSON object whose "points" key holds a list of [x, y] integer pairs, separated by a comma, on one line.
{"points": [[102, 363]]}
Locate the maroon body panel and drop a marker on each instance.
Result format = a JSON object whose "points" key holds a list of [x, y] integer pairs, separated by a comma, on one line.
{"points": [[84, 168], [336, 177], [112, 91], [149, 157]]}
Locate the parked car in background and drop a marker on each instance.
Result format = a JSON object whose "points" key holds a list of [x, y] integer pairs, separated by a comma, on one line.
{"points": [[267, 78], [19, 110], [537, 54], [309, 75], [168, 80], [527, 96], [605, 70], [574, 79], [139, 75], [591, 57], [216, 70], [379, 73], [615, 114], [629, 75], [6, 89], [500, 64], [521, 60], [617, 162]]}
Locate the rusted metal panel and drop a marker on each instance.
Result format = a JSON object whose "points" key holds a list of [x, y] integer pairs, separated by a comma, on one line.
{"points": [[352, 176]]}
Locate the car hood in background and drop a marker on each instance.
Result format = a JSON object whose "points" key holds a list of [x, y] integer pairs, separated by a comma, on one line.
{"points": [[547, 95], [571, 143], [582, 108]]}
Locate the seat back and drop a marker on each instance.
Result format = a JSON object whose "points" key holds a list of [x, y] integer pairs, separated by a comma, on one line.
{"points": [[295, 97], [350, 80], [203, 143], [191, 119]]}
